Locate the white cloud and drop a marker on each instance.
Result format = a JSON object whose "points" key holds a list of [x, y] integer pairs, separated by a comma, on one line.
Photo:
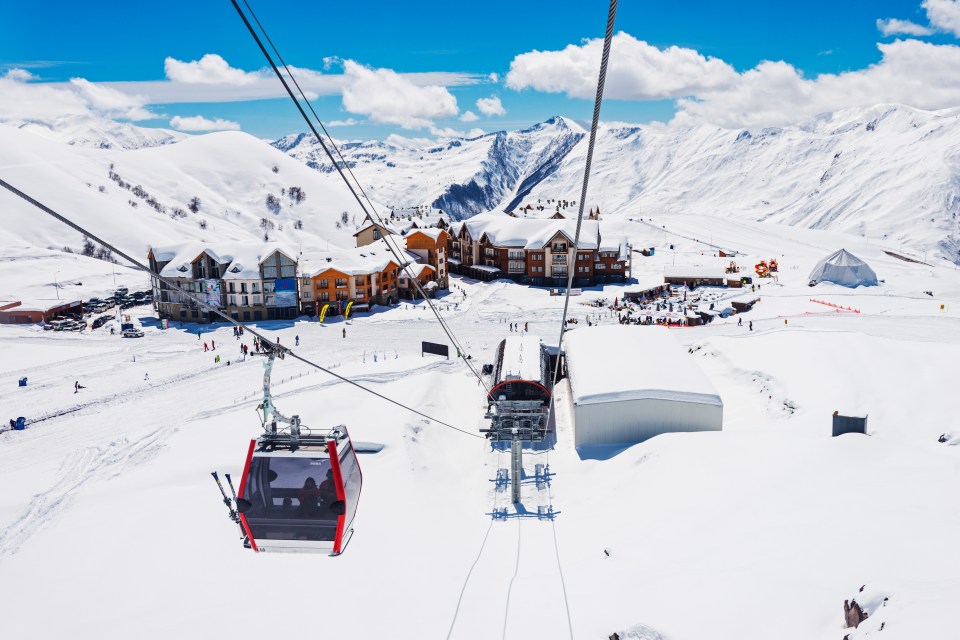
{"points": [[493, 77], [447, 132], [944, 15], [20, 75], [893, 26], [199, 123], [491, 106], [210, 69], [469, 116], [349, 122], [385, 96], [637, 71], [912, 72], [47, 102]]}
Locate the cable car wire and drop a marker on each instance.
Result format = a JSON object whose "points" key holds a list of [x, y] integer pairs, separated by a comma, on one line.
{"points": [[202, 303], [373, 217]]}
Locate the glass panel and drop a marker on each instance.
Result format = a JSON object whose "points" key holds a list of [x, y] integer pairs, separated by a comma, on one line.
{"points": [[291, 498], [350, 471]]}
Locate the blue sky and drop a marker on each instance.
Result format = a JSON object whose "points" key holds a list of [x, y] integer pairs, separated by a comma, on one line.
{"points": [[105, 44]]}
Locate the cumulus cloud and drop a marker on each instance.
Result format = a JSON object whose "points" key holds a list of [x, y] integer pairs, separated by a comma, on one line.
{"points": [[944, 15], [21, 99], [491, 106], [637, 71], [469, 116], [349, 122], [912, 72], [210, 69], [199, 123], [20, 75], [893, 26], [385, 96]]}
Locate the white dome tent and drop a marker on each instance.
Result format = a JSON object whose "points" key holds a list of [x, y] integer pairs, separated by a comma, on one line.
{"points": [[845, 269]]}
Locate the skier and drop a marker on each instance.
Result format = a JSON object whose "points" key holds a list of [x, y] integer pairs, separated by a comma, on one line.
{"points": [[526, 327], [146, 376], [751, 325], [739, 322], [296, 340], [213, 345], [344, 332], [76, 387], [205, 349], [198, 334]]}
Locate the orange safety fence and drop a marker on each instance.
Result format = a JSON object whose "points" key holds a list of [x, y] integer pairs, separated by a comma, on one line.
{"points": [[835, 306]]}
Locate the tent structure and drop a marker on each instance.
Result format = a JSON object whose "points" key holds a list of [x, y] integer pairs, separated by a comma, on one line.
{"points": [[845, 269]]}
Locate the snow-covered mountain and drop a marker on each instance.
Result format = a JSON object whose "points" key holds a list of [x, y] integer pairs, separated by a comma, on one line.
{"points": [[142, 197], [98, 133], [888, 171]]}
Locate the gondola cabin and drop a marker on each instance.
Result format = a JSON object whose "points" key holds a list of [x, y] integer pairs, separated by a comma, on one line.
{"points": [[521, 370], [300, 494]]}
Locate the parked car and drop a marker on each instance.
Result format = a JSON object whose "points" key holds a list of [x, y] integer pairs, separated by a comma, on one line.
{"points": [[133, 333], [122, 291]]}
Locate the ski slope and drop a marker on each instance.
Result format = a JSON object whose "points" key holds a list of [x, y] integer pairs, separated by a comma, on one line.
{"points": [[109, 514]]}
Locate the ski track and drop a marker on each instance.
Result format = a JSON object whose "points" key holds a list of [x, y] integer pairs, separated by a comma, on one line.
{"points": [[77, 470]]}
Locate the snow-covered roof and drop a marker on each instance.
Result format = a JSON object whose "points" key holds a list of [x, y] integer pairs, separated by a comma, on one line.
{"points": [[617, 363], [506, 231], [371, 258], [243, 258], [521, 358], [431, 232], [452, 261], [483, 267]]}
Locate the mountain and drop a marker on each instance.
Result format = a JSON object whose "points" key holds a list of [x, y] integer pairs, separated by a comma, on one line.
{"points": [[888, 171], [98, 133], [462, 177], [141, 197]]}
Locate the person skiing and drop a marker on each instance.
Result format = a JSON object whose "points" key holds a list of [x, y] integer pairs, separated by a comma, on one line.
{"points": [[213, 345], [205, 349], [344, 332], [751, 325], [146, 376], [739, 322], [76, 387], [526, 327], [296, 340]]}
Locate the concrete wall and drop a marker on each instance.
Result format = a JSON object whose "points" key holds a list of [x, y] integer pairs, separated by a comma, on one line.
{"points": [[632, 421]]}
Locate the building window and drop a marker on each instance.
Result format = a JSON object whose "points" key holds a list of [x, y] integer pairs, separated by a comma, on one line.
{"points": [[256, 299], [305, 282], [560, 246], [324, 296], [560, 259], [560, 271], [232, 301], [323, 284], [376, 234], [515, 254], [341, 295], [489, 252], [600, 266], [306, 294], [243, 287], [230, 287], [358, 281], [246, 300], [340, 283], [516, 266], [255, 287]]}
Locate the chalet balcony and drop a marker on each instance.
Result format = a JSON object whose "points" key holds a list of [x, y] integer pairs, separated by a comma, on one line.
{"points": [[561, 259]]}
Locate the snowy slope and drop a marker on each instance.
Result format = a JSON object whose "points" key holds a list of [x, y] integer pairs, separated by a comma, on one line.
{"points": [[231, 173], [888, 171]]}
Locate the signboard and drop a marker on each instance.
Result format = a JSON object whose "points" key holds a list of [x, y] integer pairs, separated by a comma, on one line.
{"points": [[436, 349], [210, 290], [286, 291]]}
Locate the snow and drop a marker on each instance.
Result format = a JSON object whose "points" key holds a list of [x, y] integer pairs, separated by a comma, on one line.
{"points": [[647, 365], [109, 518], [521, 358], [506, 231]]}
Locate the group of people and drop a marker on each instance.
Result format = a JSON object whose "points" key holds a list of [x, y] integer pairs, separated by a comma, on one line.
{"points": [[515, 327]]}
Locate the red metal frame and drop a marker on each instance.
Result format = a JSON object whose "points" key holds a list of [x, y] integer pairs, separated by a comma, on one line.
{"points": [[341, 494], [537, 384], [243, 487]]}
